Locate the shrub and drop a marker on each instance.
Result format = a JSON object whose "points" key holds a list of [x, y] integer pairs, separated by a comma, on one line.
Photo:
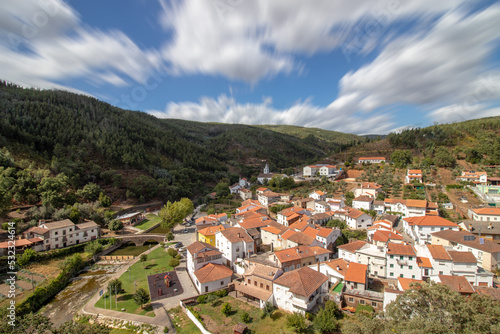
{"points": [[172, 252], [26, 257], [93, 247], [221, 293], [174, 262], [115, 225], [226, 309], [141, 297], [267, 310], [201, 299], [297, 321], [245, 317]]}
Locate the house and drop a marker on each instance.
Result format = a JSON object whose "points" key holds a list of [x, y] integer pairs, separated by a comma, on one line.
{"points": [[381, 237], [413, 175], [212, 277], [486, 252], [371, 160], [304, 203], [334, 269], [210, 220], [356, 276], [318, 195], [268, 197], [198, 254], [475, 177], [488, 230], [300, 290], [403, 284], [378, 207], [411, 207], [335, 203], [207, 234], [321, 206], [348, 251], [367, 188], [374, 257], [298, 257], [131, 218], [292, 238], [235, 188], [234, 243], [354, 218], [382, 226], [420, 228], [456, 283], [245, 194], [258, 282], [441, 261], [65, 233], [20, 245], [320, 170], [271, 235], [261, 190], [356, 289], [265, 176], [328, 236], [288, 216], [244, 183], [402, 261], [364, 202], [485, 214]]}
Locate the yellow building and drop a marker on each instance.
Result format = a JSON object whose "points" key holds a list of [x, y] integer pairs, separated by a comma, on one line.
{"points": [[207, 234]]}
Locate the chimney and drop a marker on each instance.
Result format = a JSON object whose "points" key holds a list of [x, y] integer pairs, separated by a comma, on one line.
{"points": [[239, 235], [297, 249], [338, 268], [318, 266], [490, 226], [470, 226]]}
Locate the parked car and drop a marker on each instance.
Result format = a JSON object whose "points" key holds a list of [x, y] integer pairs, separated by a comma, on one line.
{"points": [[182, 249], [185, 231], [178, 245]]}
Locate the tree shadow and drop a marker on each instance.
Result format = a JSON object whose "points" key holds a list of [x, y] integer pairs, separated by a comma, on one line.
{"points": [[149, 266]]}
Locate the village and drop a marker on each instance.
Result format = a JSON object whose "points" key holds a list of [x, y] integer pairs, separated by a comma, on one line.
{"points": [[352, 246]]}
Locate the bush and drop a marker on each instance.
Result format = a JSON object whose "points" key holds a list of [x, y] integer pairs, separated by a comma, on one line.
{"points": [[93, 247], [245, 317], [174, 262], [220, 293], [141, 297], [226, 309], [115, 225], [201, 299], [143, 258], [297, 321], [26, 257], [172, 252], [267, 310]]}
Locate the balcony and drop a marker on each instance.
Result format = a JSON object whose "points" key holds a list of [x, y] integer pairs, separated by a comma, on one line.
{"points": [[402, 262]]}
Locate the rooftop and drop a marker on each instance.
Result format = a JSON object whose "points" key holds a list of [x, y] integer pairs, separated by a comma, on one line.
{"points": [[356, 272], [303, 281], [212, 272], [458, 237]]}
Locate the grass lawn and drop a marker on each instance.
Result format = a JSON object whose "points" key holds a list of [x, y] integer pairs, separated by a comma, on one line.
{"points": [[137, 277], [121, 331], [216, 322], [182, 323], [150, 221]]}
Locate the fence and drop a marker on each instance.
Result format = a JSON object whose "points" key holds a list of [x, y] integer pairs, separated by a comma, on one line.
{"points": [[116, 257], [194, 319]]}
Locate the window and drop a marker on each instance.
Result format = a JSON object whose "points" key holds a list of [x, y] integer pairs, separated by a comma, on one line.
{"points": [[237, 249], [402, 267], [267, 287], [374, 304], [391, 274], [249, 281], [362, 302], [392, 256], [413, 276], [222, 283], [261, 285], [401, 257], [351, 300], [391, 266], [255, 283], [410, 258], [55, 232], [410, 267], [401, 275], [440, 273]]}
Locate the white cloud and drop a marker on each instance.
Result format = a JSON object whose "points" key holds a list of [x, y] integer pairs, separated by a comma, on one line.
{"points": [[42, 42], [251, 40], [445, 66], [226, 110]]}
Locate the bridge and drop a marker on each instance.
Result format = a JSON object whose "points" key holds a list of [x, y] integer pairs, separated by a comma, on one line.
{"points": [[140, 239]]}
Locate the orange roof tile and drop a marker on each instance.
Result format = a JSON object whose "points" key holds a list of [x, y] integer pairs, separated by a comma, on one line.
{"points": [[457, 283], [212, 272], [339, 265], [429, 221], [356, 272], [405, 282], [438, 252], [353, 246], [416, 203], [466, 257], [400, 249], [236, 234], [197, 246], [272, 230], [424, 262], [303, 281], [311, 232], [414, 171], [487, 211], [384, 236], [210, 230], [324, 232]]}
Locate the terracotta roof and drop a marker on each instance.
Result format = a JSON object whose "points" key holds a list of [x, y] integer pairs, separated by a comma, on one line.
{"points": [[370, 185], [458, 237], [457, 283], [353, 246], [300, 238], [400, 249], [59, 224], [36, 230], [299, 252], [438, 252], [492, 292], [244, 190], [35, 240], [278, 226], [416, 203], [300, 225], [384, 236], [319, 192], [371, 158], [487, 211], [212, 272], [86, 225], [429, 221], [236, 234], [317, 250], [363, 198], [466, 257], [208, 253], [254, 223], [414, 171], [424, 262], [266, 272], [197, 246], [340, 263], [272, 230], [303, 281], [356, 272], [353, 213], [405, 282], [262, 189], [253, 291], [483, 226], [211, 230], [17, 243], [310, 231], [324, 232]]}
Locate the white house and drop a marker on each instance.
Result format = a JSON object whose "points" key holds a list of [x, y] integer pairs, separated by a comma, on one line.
{"points": [[335, 203], [485, 214], [362, 202], [245, 194], [321, 169], [327, 170], [271, 235], [318, 195], [321, 206], [234, 243], [374, 257], [420, 228], [371, 160], [288, 216], [199, 254], [414, 175], [402, 261], [268, 197], [212, 277], [367, 188], [65, 233], [355, 219], [328, 236], [300, 290], [348, 251], [476, 177], [334, 269]]}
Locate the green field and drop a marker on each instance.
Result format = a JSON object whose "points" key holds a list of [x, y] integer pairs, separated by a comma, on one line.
{"points": [[136, 277], [182, 323], [150, 221]]}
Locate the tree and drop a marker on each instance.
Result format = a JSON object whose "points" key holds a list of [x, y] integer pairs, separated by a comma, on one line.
{"points": [[226, 309], [297, 321], [401, 158], [172, 214], [325, 320], [170, 236], [143, 258], [337, 223], [115, 285], [267, 310], [93, 247], [26, 257], [245, 317], [115, 225], [104, 200], [90, 192], [443, 158], [349, 196], [222, 189], [141, 297], [174, 262]]}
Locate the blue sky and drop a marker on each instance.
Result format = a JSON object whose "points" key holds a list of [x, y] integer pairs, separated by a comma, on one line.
{"points": [[359, 66]]}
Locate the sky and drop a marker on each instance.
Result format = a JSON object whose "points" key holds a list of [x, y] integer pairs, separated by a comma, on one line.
{"points": [[356, 66]]}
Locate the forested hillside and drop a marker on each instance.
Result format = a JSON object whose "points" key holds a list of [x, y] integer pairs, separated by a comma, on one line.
{"points": [[91, 141]]}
